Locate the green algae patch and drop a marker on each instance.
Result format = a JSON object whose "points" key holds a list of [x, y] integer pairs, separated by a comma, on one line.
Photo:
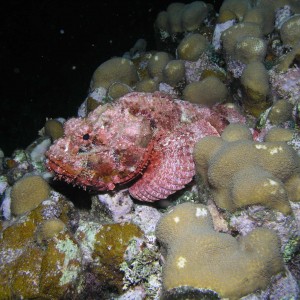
{"points": [[291, 248], [109, 249], [60, 266]]}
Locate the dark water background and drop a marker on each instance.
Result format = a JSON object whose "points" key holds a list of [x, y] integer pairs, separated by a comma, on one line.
{"points": [[49, 50]]}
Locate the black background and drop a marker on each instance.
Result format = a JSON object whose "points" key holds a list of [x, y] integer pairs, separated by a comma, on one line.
{"points": [[49, 51]]}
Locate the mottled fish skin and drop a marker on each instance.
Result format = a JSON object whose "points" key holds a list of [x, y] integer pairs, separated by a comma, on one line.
{"points": [[148, 137]]}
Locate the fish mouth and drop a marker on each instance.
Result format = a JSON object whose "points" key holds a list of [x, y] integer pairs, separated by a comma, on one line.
{"points": [[60, 169], [87, 179]]}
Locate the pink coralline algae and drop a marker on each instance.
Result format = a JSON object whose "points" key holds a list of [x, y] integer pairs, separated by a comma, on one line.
{"points": [[144, 138]]}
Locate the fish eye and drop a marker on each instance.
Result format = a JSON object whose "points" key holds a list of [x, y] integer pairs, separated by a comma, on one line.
{"points": [[86, 136]]}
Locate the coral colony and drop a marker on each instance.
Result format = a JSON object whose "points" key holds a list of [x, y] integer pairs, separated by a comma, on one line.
{"points": [[207, 128]]}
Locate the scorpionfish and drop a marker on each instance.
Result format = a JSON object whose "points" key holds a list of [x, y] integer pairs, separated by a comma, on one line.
{"points": [[144, 139]]}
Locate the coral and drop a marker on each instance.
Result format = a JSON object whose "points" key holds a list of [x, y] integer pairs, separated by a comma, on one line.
{"points": [[192, 46], [249, 48], [50, 228], [174, 12], [244, 172], [117, 90], [262, 16], [174, 72], [208, 91], [116, 69], [154, 136], [180, 17], [147, 86], [193, 15], [197, 256], [236, 7], [54, 129], [277, 134], [233, 34], [288, 63], [156, 65], [286, 227], [255, 81], [235, 132], [290, 31], [27, 193], [280, 112]]}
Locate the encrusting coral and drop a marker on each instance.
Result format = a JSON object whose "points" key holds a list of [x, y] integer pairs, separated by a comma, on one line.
{"points": [[199, 257], [153, 136], [244, 172]]}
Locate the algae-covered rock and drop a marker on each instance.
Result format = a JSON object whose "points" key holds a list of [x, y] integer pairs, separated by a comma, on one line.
{"points": [[31, 269], [26, 274], [61, 266], [105, 246]]}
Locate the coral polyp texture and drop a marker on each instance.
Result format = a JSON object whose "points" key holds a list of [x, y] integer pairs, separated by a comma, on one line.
{"points": [[199, 257], [244, 172], [145, 136]]}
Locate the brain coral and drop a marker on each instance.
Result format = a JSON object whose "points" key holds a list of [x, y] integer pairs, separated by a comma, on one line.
{"points": [[244, 172], [198, 256], [27, 193]]}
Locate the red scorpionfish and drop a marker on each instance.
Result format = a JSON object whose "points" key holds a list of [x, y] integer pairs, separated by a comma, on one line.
{"points": [[146, 138]]}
